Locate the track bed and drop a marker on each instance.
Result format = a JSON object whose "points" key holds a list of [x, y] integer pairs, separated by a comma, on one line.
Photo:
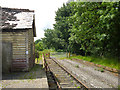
{"points": [[62, 77]]}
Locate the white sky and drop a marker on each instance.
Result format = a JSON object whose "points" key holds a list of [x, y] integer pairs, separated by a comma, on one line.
{"points": [[44, 11]]}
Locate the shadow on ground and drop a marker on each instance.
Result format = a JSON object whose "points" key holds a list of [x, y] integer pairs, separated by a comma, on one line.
{"points": [[36, 72]]}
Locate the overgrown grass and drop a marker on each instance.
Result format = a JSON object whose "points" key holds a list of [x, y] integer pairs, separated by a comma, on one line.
{"points": [[77, 66], [110, 62], [46, 51], [29, 75], [63, 58], [118, 87], [40, 58]]}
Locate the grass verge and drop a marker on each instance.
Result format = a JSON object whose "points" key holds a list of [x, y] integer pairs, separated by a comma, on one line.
{"points": [[109, 62]]}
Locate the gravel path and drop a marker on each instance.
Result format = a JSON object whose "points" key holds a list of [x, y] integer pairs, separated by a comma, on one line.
{"points": [[90, 75]]}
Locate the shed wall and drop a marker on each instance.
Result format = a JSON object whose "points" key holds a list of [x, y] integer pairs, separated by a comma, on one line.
{"points": [[18, 40]]}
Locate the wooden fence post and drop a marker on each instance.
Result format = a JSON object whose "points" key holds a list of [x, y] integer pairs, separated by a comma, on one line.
{"points": [[49, 55], [37, 60], [66, 54], [69, 55]]}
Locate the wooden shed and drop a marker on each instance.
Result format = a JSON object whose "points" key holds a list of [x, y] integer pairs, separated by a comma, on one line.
{"points": [[18, 32]]}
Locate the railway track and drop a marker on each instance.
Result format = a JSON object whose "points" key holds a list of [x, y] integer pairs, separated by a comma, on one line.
{"points": [[60, 78]]}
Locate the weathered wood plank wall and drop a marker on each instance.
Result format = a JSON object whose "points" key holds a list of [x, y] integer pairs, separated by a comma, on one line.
{"points": [[19, 49], [23, 49]]}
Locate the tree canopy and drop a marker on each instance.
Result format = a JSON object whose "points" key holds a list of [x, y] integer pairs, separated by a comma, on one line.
{"points": [[86, 28]]}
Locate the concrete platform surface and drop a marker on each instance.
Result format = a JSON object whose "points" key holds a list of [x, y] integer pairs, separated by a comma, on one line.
{"points": [[35, 78]]}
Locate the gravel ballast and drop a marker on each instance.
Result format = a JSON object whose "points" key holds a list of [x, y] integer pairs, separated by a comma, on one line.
{"points": [[92, 76]]}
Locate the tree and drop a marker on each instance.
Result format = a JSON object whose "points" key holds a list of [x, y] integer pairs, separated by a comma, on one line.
{"points": [[94, 25], [39, 45], [62, 25], [86, 28], [51, 39]]}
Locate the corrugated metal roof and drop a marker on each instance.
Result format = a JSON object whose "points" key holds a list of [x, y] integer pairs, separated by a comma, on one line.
{"points": [[17, 18]]}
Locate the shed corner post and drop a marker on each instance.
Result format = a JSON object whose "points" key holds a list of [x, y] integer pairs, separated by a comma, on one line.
{"points": [[0, 45], [27, 51]]}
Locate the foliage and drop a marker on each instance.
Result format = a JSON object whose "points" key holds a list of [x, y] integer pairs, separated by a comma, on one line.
{"points": [[39, 45], [62, 25], [51, 40], [95, 28], [86, 28], [37, 41]]}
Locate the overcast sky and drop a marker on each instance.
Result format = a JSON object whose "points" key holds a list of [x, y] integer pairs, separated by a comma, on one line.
{"points": [[44, 11]]}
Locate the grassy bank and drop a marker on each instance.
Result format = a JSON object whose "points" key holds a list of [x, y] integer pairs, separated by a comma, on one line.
{"points": [[109, 62]]}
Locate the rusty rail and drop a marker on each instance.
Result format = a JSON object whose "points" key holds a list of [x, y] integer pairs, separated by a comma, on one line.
{"points": [[47, 68], [70, 73]]}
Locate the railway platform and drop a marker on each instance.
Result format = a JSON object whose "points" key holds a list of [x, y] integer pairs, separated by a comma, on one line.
{"points": [[35, 78]]}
